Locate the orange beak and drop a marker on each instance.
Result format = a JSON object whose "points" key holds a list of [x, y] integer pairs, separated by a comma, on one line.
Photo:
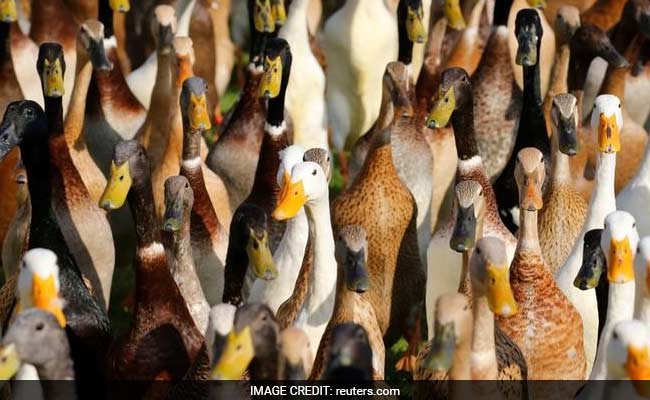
{"points": [[621, 262], [608, 134], [531, 197], [638, 363], [292, 198], [45, 296]]}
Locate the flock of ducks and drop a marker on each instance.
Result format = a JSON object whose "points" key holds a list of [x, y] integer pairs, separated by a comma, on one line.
{"points": [[531, 262]]}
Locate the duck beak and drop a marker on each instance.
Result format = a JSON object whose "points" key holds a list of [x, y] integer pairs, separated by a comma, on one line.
{"points": [[415, 25], [45, 295], [198, 112], [537, 3], [279, 12], [531, 196], [292, 198], [122, 6], [454, 14], [259, 256], [236, 356], [117, 187], [294, 372], [443, 107], [527, 48], [53, 78], [272, 78], [620, 268], [401, 103], [637, 364], [608, 52], [441, 356], [9, 362], [98, 57], [608, 134], [464, 233], [8, 138], [499, 293], [173, 218], [263, 16], [568, 136], [8, 11], [356, 277]]}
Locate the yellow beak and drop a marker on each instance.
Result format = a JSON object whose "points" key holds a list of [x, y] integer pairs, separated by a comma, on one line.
{"points": [[263, 16], [443, 108], [53, 78], [8, 11], [122, 6], [415, 26], [620, 268], [279, 12], [499, 293], [292, 198], [237, 354], [454, 15], [259, 256], [117, 187], [537, 3], [198, 112], [608, 134], [272, 79], [9, 362], [46, 297]]}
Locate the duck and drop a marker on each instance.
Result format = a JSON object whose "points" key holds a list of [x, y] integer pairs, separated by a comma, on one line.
{"points": [[352, 304], [531, 130], [252, 344], [349, 358], [466, 39], [179, 199], [627, 356], [497, 99], [119, 9], [224, 49], [492, 355], [158, 308], [307, 187], [547, 46], [234, 157], [354, 72], [412, 25], [295, 355], [25, 125], [220, 323], [211, 210], [84, 226], [543, 308], [642, 297], [454, 103], [606, 117], [619, 243], [561, 219], [305, 98], [17, 238]]}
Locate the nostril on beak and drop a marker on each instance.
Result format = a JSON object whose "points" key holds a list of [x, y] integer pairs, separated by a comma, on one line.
{"points": [[572, 152]]}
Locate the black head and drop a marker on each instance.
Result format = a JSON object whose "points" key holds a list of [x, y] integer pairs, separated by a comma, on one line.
{"points": [[350, 354], [594, 263], [249, 237], [410, 18], [179, 199], [24, 122], [590, 42], [529, 31], [51, 69], [194, 103], [277, 68]]}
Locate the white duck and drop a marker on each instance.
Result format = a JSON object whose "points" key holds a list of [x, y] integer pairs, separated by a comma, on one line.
{"points": [[220, 322], [642, 274], [607, 121], [635, 197], [619, 242], [305, 97], [359, 40], [628, 357], [142, 79], [307, 186]]}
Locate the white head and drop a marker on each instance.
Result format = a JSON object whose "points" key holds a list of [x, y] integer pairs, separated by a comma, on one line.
{"points": [[642, 266], [307, 184], [220, 322], [619, 242], [628, 351], [607, 120], [289, 157]]}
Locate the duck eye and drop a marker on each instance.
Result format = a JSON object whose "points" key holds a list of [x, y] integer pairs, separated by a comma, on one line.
{"points": [[39, 326], [187, 185], [314, 172]]}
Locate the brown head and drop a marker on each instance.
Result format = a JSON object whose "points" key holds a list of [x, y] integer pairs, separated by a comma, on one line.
{"points": [[471, 207], [296, 354], [164, 28], [91, 39], [564, 123], [352, 255], [184, 49], [530, 175], [453, 325], [396, 83], [567, 23], [490, 274]]}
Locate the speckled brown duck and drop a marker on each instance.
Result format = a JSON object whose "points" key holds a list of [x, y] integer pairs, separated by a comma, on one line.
{"points": [[162, 326], [378, 201]]}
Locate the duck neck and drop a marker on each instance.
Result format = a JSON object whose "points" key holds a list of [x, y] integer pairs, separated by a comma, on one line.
{"points": [[603, 200], [461, 367], [643, 173], [76, 111], [54, 115], [144, 213], [620, 304], [5, 42], [35, 153], [462, 121], [181, 262], [265, 188], [528, 239], [191, 144], [561, 169], [235, 270], [532, 126], [484, 358]]}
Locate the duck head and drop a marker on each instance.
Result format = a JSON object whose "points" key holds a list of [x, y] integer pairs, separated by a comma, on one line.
{"points": [[295, 355], [530, 175], [179, 199], [352, 255], [529, 31], [122, 6], [35, 337], [594, 262], [307, 183], [24, 122], [590, 42], [164, 28], [38, 283], [51, 68], [471, 206], [249, 233], [255, 334], [564, 123], [454, 93], [628, 354], [277, 67], [607, 120], [490, 274], [220, 323], [350, 355], [8, 12], [320, 157], [91, 38], [453, 324], [194, 105], [639, 12], [537, 3], [619, 242], [642, 266], [410, 14], [261, 16], [567, 23], [184, 50], [130, 166]]}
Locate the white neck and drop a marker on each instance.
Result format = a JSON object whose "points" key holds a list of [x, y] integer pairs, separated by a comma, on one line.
{"points": [[620, 307], [603, 200], [483, 357], [297, 19], [642, 309]]}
